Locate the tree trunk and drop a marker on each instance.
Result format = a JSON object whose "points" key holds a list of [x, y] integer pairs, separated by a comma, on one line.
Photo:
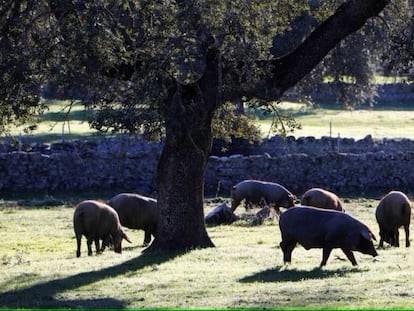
{"points": [[180, 197], [182, 165]]}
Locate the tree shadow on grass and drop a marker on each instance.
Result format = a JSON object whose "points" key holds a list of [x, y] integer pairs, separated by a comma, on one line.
{"points": [[284, 274], [44, 295], [63, 115]]}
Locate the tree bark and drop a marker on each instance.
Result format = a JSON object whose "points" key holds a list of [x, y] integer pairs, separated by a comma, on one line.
{"points": [[182, 165], [180, 196]]}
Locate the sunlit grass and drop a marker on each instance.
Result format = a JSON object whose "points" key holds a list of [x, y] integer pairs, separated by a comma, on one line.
{"points": [[64, 120], [244, 270], [376, 79], [324, 121]]}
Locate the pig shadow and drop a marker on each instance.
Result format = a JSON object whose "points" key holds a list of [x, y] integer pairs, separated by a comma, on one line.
{"points": [[133, 247], [45, 294], [285, 274]]}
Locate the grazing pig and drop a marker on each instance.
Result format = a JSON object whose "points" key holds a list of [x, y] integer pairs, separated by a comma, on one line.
{"points": [[97, 220], [259, 192], [393, 211], [322, 198], [137, 212], [314, 227]]}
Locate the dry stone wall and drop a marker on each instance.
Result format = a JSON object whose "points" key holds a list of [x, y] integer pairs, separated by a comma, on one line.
{"points": [[345, 173], [118, 165], [345, 166]]}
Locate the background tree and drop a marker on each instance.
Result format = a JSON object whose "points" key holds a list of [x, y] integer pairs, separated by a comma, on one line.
{"points": [[21, 71], [399, 55], [349, 71], [165, 69]]}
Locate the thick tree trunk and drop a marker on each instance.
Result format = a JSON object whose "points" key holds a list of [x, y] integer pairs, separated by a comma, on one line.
{"points": [[180, 197], [182, 165]]}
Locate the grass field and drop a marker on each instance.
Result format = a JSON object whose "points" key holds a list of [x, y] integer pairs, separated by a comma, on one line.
{"points": [[39, 268], [244, 270], [380, 121], [60, 122]]}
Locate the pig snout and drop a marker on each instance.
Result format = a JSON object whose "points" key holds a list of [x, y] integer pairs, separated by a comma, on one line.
{"points": [[366, 246], [369, 250], [118, 249]]}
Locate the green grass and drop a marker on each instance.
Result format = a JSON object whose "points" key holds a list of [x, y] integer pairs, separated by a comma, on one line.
{"points": [[380, 122], [59, 122], [389, 121], [244, 270]]}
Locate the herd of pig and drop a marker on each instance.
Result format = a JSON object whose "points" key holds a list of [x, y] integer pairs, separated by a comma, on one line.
{"points": [[319, 222], [102, 221]]}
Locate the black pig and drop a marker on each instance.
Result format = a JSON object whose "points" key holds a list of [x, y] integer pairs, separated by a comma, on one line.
{"points": [[254, 192], [327, 229]]}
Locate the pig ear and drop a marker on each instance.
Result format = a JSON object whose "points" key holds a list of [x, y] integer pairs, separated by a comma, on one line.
{"points": [[367, 235], [371, 234]]}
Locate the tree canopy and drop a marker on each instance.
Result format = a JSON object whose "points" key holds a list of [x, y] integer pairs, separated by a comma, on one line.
{"points": [[122, 55]]}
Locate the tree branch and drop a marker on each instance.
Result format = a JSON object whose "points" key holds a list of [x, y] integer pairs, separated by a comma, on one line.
{"points": [[291, 68]]}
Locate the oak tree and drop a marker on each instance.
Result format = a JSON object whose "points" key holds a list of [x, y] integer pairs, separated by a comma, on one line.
{"points": [[165, 69]]}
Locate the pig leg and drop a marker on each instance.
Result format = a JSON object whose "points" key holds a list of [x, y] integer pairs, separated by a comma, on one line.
{"points": [[234, 204], [89, 244], [97, 248], [407, 235], [381, 243], [325, 254], [350, 255], [287, 249], [147, 237], [395, 238], [105, 243], [385, 236], [78, 246], [277, 210], [247, 205]]}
